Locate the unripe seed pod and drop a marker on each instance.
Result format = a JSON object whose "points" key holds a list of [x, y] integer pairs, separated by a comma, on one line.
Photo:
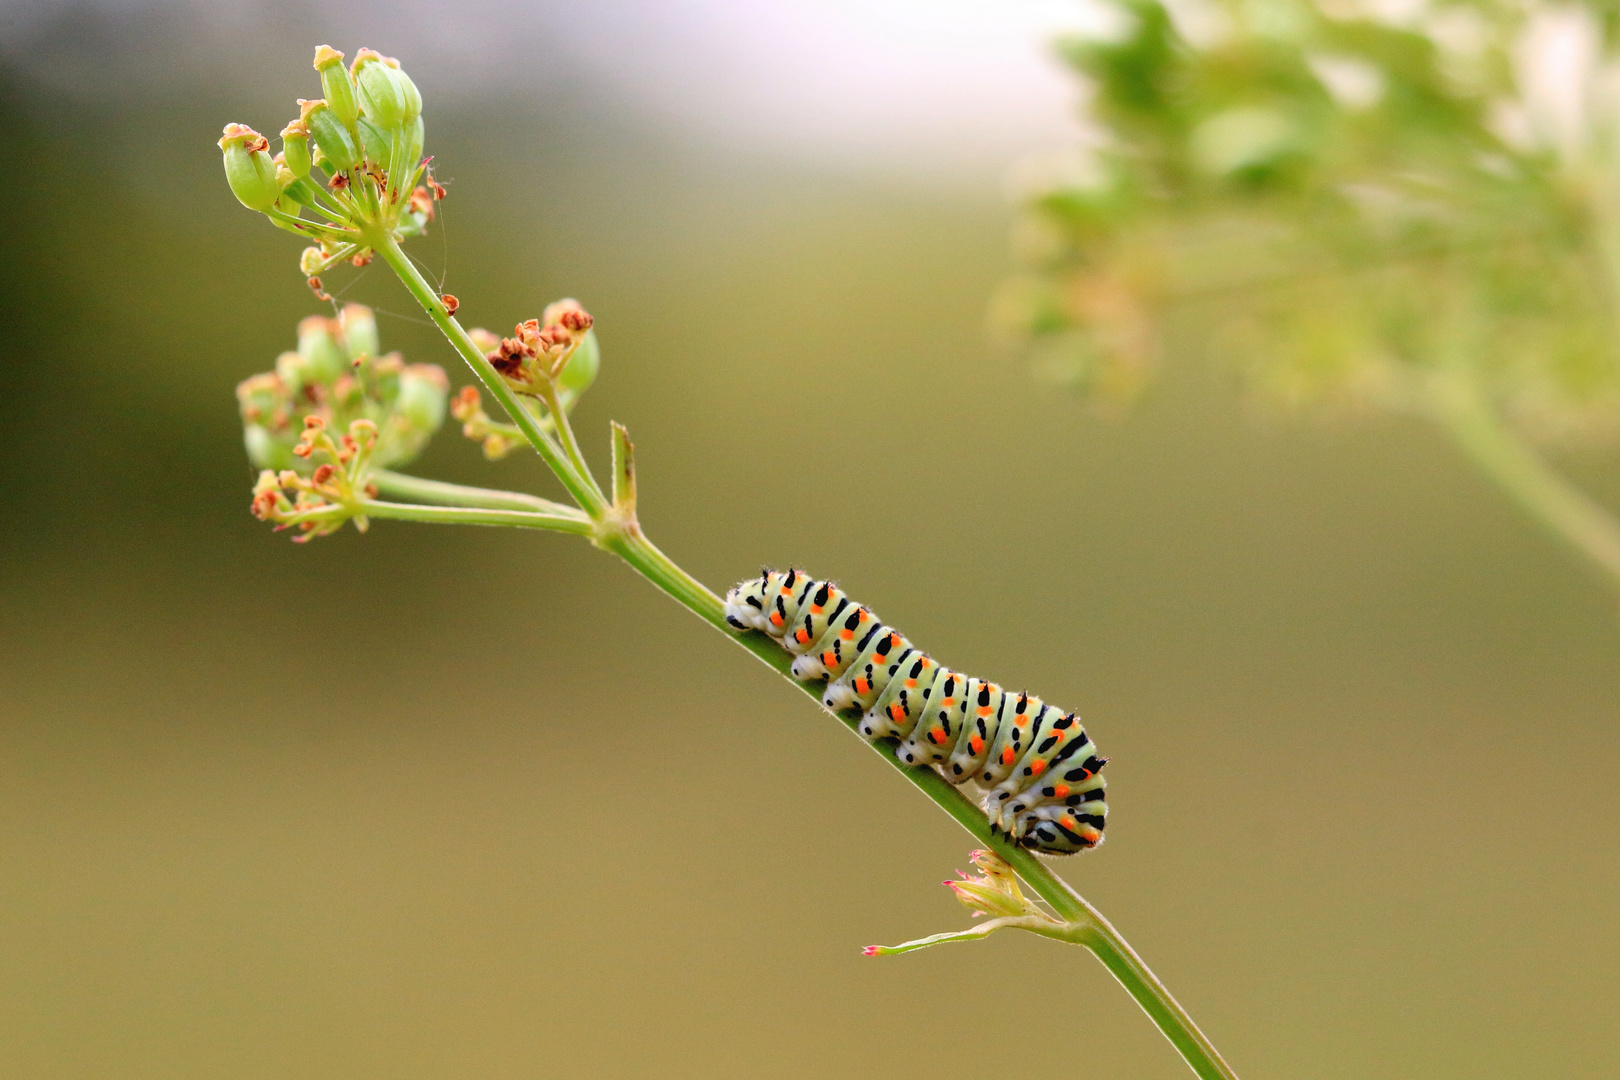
{"points": [[331, 137], [373, 141], [248, 168], [359, 331], [290, 370], [382, 97], [295, 148], [336, 85], [264, 450], [324, 360], [580, 371], [423, 394], [413, 96]]}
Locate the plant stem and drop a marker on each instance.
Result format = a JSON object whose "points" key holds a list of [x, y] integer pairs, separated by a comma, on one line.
{"points": [[1540, 491], [565, 435], [437, 491], [623, 537], [575, 522], [581, 488]]}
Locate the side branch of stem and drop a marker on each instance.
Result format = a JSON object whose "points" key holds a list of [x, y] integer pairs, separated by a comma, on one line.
{"points": [[1539, 490]]}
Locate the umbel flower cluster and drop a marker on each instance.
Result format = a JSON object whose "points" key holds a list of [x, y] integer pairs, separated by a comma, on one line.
{"points": [[349, 166], [383, 410], [339, 375]]}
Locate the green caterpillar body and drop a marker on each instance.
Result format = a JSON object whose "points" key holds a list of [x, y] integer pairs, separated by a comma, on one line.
{"points": [[1043, 773]]}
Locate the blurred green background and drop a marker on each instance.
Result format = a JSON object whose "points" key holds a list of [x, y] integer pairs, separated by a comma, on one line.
{"points": [[355, 808]]}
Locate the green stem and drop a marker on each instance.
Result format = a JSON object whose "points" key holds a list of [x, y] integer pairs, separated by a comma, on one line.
{"points": [[565, 435], [572, 522], [1539, 490], [437, 491], [1095, 932], [579, 487]]}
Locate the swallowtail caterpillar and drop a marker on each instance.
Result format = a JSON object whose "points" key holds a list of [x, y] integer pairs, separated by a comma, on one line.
{"points": [[1043, 774]]}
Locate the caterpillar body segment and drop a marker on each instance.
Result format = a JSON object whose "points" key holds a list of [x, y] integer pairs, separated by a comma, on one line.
{"points": [[1041, 769]]}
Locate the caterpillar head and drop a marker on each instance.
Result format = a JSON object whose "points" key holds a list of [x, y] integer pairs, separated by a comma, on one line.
{"points": [[745, 604]]}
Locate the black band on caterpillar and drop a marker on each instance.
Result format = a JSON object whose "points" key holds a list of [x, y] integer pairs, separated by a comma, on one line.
{"points": [[1043, 774]]}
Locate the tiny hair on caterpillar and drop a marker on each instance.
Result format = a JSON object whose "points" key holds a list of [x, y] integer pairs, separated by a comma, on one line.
{"points": [[1042, 772]]}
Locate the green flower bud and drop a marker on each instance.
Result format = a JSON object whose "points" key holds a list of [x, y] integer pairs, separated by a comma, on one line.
{"points": [[324, 359], [413, 96], [381, 94], [290, 370], [359, 327], [423, 395], [373, 141], [265, 451], [331, 137], [580, 371], [295, 148], [248, 168], [383, 377], [336, 85]]}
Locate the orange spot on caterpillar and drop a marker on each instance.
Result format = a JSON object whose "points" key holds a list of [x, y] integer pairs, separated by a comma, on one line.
{"points": [[776, 619], [1007, 756], [947, 703], [977, 745], [896, 713], [936, 736], [803, 636], [1061, 791], [828, 658], [815, 609], [911, 684], [1070, 824], [847, 635], [1037, 767], [985, 710], [1022, 721], [862, 685]]}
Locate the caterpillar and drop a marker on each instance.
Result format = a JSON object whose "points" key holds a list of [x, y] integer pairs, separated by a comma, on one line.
{"points": [[1042, 772]]}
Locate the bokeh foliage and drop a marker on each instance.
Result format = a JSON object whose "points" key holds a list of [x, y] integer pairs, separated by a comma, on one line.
{"points": [[1361, 210]]}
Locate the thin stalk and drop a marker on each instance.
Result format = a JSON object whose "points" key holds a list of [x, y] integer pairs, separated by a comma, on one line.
{"points": [[1538, 489], [623, 537], [437, 491], [565, 435], [573, 522], [579, 487]]}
